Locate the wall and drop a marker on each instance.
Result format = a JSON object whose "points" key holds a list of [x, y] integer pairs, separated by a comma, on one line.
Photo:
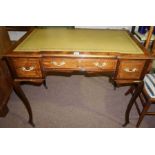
{"points": [[106, 27], [15, 35]]}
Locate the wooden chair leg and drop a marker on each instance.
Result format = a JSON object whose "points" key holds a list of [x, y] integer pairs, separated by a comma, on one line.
{"points": [[132, 101], [130, 90], [143, 113]]}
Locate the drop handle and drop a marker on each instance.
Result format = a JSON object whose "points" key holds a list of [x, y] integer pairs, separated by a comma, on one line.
{"points": [[100, 64], [62, 63], [130, 70], [28, 69]]}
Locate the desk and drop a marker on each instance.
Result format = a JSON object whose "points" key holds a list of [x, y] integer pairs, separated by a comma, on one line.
{"points": [[41, 52]]}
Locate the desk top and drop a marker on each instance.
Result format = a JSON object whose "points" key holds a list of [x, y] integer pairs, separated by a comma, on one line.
{"points": [[83, 40]]}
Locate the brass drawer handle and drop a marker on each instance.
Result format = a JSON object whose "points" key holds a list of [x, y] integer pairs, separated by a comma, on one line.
{"points": [[100, 64], [58, 64], [28, 69], [130, 70]]}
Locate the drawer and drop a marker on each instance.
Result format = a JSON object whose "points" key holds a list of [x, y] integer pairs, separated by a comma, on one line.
{"points": [[80, 63], [98, 64], [130, 69], [62, 63], [27, 67]]}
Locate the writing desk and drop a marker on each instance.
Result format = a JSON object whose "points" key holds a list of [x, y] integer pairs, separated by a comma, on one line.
{"points": [[62, 50]]}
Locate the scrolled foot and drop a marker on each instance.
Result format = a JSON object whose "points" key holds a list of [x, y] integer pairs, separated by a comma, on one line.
{"points": [[32, 124], [125, 124]]}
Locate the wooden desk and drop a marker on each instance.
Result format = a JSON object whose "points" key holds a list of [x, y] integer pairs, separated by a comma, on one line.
{"points": [[69, 51]]}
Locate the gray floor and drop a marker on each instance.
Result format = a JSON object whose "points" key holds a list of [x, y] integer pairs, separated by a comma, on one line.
{"points": [[73, 102]]}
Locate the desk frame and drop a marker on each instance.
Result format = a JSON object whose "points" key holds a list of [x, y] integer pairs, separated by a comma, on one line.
{"points": [[117, 77]]}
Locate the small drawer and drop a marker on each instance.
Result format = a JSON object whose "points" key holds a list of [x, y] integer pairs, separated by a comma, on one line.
{"points": [[130, 69], [27, 67], [98, 64], [61, 63]]}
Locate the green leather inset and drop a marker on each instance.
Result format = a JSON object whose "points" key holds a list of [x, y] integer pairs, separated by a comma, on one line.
{"points": [[84, 40]]}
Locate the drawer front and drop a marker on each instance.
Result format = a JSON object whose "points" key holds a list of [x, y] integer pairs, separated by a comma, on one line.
{"points": [[27, 67], [130, 69], [80, 64], [61, 63], [98, 64]]}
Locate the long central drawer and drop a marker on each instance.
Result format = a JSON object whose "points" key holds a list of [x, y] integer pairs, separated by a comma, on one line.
{"points": [[79, 63]]}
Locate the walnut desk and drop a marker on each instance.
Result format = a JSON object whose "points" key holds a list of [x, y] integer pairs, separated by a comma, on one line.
{"points": [[47, 51]]}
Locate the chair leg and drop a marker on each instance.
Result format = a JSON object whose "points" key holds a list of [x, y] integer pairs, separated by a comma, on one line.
{"points": [[130, 90], [143, 113], [132, 101]]}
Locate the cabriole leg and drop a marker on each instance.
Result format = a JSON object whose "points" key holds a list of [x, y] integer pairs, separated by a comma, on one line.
{"points": [[18, 90]]}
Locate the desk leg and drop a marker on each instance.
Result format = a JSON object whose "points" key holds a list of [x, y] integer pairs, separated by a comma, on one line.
{"points": [[44, 83], [18, 90], [133, 99]]}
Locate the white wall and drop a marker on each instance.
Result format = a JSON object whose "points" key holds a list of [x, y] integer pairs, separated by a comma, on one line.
{"points": [[16, 35], [106, 27]]}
